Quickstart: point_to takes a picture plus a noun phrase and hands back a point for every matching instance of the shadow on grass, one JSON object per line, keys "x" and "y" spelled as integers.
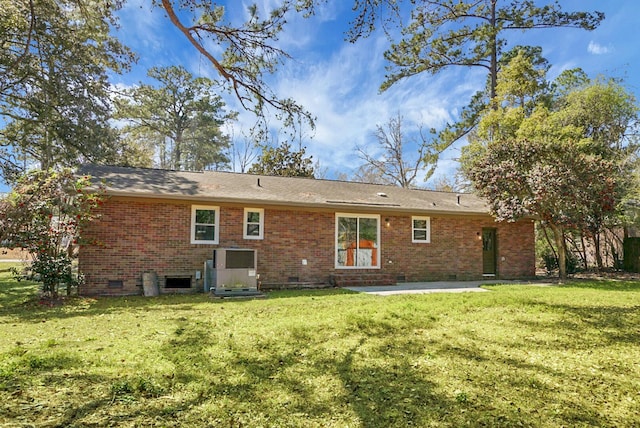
{"x": 13, "y": 297}
{"x": 284, "y": 372}
{"x": 603, "y": 284}
{"x": 281, "y": 375}
{"x": 14, "y": 293}
{"x": 526, "y": 395}
{"x": 18, "y": 366}
{"x": 33, "y": 410}
{"x": 21, "y": 300}
{"x": 611, "y": 321}
{"x": 320, "y": 292}
{"x": 380, "y": 371}
{"x": 613, "y": 324}
{"x": 391, "y": 396}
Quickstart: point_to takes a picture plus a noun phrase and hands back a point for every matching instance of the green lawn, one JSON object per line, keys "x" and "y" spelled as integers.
{"x": 517, "y": 356}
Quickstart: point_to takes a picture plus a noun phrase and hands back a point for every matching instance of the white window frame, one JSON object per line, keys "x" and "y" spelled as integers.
{"x": 246, "y": 223}
{"x": 413, "y": 229}
{"x": 216, "y": 230}
{"x": 335, "y": 242}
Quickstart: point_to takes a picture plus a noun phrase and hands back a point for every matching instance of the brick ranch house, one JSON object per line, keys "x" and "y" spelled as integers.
{"x": 306, "y": 232}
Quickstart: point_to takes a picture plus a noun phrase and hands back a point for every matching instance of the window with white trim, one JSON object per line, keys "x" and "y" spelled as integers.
{"x": 357, "y": 241}
{"x": 253, "y": 223}
{"x": 420, "y": 229}
{"x": 204, "y": 224}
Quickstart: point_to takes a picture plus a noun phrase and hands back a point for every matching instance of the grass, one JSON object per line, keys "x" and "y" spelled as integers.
{"x": 518, "y": 356}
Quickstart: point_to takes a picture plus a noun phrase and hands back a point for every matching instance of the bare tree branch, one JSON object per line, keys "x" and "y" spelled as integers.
{"x": 393, "y": 166}
{"x": 250, "y": 53}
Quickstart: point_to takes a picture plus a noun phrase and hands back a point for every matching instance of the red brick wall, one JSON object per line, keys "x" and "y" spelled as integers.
{"x": 138, "y": 236}
{"x": 455, "y": 250}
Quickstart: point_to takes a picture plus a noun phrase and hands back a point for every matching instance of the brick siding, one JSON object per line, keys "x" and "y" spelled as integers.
{"x": 455, "y": 250}
{"x": 137, "y": 236}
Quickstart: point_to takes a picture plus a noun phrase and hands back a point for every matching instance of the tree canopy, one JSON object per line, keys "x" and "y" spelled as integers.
{"x": 445, "y": 33}
{"x": 441, "y": 34}
{"x": 44, "y": 215}
{"x": 180, "y": 117}
{"x": 283, "y": 161}
{"x": 565, "y": 160}
{"x": 59, "y": 53}
{"x": 54, "y": 89}
{"x": 244, "y": 54}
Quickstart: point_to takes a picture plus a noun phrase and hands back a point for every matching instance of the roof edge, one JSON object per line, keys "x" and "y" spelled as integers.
{"x": 333, "y": 206}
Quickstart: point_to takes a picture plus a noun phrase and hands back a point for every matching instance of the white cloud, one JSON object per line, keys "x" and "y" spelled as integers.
{"x": 339, "y": 83}
{"x": 343, "y": 92}
{"x": 139, "y": 24}
{"x": 598, "y": 49}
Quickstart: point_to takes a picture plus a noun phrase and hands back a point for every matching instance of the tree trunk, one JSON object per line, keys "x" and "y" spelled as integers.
{"x": 583, "y": 252}
{"x": 596, "y": 246}
{"x": 546, "y": 237}
{"x": 562, "y": 250}
{"x": 162, "y": 147}
{"x": 572, "y": 244}
{"x": 177, "y": 151}
{"x": 494, "y": 52}
{"x": 177, "y": 155}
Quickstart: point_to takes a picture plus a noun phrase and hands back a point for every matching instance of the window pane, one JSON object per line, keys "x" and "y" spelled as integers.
{"x": 205, "y": 233}
{"x": 253, "y": 230}
{"x": 347, "y": 230}
{"x": 369, "y": 230}
{"x": 419, "y": 235}
{"x": 419, "y": 224}
{"x": 206, "y": 216}
{"x": 347, "y": 235}
{"x": 368, "y": 243}
{"x": 357, "y": 241}
{"x": 253, "y": 217}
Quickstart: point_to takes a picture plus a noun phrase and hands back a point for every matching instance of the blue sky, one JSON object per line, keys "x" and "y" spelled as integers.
{"x": 339, "y": 82}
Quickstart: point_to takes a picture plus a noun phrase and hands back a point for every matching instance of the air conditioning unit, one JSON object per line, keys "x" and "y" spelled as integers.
{"x": 233, "y": 272}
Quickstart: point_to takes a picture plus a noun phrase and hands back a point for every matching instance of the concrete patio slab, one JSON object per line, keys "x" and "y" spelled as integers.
{"x": 429, "y": 287}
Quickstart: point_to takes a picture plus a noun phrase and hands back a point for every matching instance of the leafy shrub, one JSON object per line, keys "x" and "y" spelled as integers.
{"x": 551, "y": 262}
{"x": 44, "y": 215}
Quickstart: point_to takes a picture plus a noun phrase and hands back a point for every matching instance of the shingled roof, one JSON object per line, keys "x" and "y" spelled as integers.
{"x": 258, "y": 190}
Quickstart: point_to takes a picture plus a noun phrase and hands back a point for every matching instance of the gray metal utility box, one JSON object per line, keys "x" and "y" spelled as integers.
{"x": 233, "y": 272}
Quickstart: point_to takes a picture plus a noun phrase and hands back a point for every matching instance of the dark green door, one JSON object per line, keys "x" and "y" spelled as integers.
{"x": 489, "y": 251}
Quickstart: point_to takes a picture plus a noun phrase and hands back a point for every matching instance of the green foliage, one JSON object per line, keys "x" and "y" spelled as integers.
{"x": 450, "y": 33}
{"x": 44, "y": 214}
{"x": 549, "y": 259}
{"x": 445, "y": 33}
{"x": 562, "y": 156}
{"x": 530, "y": 62}
{"x": 283, "y": 162}
{"x": 54, "y": 95}
{"x": 553, "y": 181}
{"x": 551, "y": 262}
{"x": 243, "y": 55}
{"x": 129, "y": 390}
{"x": 180, "y": 118}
